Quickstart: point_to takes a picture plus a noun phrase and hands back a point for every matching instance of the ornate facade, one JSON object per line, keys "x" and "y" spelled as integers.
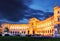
{"x": 35, "y": 26}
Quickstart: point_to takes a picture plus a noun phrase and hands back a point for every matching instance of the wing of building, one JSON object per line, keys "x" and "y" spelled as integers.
{"x": 35, "y": 26}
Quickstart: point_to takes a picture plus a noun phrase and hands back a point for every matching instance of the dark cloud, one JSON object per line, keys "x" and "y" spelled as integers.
{"x": 12, "y": 9}
{"x": 41, "y": 15}
{"x": 16, "y": 10}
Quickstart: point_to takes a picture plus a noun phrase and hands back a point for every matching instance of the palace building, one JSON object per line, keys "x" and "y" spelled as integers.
{"x": 47, "y": 27}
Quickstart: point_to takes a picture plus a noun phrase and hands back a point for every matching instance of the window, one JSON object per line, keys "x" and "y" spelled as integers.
{"x": 58, "y": 25}
{"x": 24, "y": 32}
{"x": 10, "y": 31}
{"x": 58, "y": 12}
{"x": 58, "y": 18}
{"x": 28, "y": 31}
{"x": 34, "y": 32}
{"x": 13, "y": 32}
{"x": 50, "y": 31}
{"x": 58, "y": 30}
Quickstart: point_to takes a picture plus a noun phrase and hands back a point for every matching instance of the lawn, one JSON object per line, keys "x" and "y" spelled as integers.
{"x": 18, "y": 38}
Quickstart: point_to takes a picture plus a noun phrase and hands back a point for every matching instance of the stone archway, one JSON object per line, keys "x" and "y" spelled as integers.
{"x": 6, "y": 29}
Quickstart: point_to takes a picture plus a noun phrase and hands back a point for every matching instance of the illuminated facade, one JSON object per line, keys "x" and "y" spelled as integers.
{"x": 44, "y": 28}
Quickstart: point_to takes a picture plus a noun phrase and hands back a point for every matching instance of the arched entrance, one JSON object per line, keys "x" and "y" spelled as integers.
{"x": 33, "y": 32}
{"x": 28, "y": 32}
{"x": 5, "y": 32}
{"x": 6, "y": 29}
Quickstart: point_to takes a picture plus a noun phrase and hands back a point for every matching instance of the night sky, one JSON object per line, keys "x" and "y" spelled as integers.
{"x": 20, "y": 11}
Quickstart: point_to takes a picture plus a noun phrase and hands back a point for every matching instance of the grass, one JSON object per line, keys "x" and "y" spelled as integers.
{"x": 18, "y": 38}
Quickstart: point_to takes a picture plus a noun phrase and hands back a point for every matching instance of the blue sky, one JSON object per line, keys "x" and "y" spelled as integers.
{"x": 44, "y": 5}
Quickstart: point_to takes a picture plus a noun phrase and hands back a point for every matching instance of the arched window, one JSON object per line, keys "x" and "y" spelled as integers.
{"x": 58, "y": 25}
{"x": 48, "y": 31}
{"x": 58, "y": 30}
{"x": 33, "y": 32}
{"x": 28, "y": 31}
{"x": 24, "y": 32}
{"x": 58, "y": 18}
{"x": 11, "y": 32}
{"x": 58, "y": 12}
